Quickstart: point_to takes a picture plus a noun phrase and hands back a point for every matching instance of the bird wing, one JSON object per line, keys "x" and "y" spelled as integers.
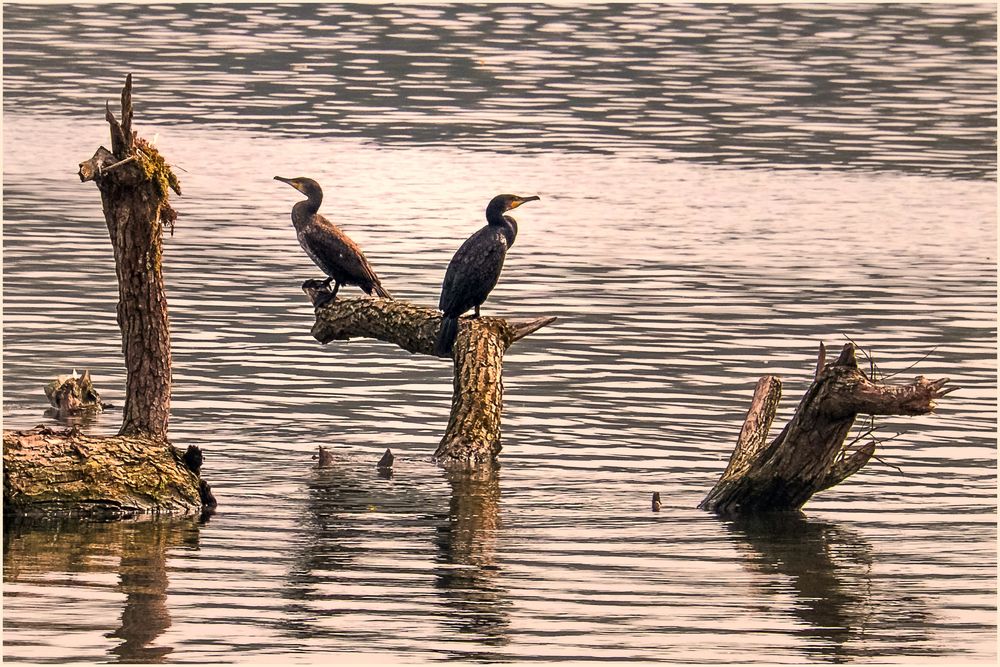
{"x": 335, "y": 253}
{"x": 473, "y": 271}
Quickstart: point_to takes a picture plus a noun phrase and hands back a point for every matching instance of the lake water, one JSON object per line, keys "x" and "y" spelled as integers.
{"x": 722, "y": 188}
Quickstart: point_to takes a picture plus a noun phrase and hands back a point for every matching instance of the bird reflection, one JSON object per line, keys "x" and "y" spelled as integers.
{"x": 39, "y": 547}
{"x": 469, "y": 575}
{"x": 830, "y": 570}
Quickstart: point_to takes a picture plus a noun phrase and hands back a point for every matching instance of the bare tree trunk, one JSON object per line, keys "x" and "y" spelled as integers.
{"x": 809, "y": 455}
{"x": 138, "y": 470}
{"x": 134, "y": 180}
{"x": 473, "y": 433}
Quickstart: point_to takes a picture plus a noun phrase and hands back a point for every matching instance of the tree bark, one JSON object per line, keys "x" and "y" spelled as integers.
{"x": 809, "y": 454}
{"x": 66, "y": 472}
{"x": 137, "y": 471}
{"x": 134, "y": 183}
{"x": 473, "y": 433}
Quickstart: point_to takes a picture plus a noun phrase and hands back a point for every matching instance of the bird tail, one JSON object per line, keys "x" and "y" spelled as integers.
{"x": 381, "y": 291}
{"x": 446, "y": 336}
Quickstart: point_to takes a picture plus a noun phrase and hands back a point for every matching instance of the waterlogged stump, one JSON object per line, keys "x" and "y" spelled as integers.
{"x": 137, "y": 470}
{"x": 473, "y": 433}
{"x": 809, "y": 455}
{"x": 135, "y": 183}
{"x": 67, "y": 472}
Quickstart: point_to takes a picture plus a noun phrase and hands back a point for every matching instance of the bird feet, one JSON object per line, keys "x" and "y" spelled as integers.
{"x": 319, "y": 291}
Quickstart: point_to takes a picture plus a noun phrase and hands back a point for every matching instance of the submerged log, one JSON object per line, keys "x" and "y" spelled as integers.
{"x": 67, "y": 472}
{"x": 136, "y": 471}
{"x": 473, "y": 433}
{"x": 809, "y": 455}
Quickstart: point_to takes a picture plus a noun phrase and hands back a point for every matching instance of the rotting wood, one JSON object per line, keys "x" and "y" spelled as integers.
{"x": 138, "y": 470}
{"x": 809, "y": 455}
{"x": 73, "y": 394}
{"x": 472, "y": 436}
{"x": 66, "y": 472}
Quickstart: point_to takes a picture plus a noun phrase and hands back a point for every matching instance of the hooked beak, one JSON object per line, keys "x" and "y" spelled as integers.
{"x": 521, "y": 200}
{"x": 290, "y": 181}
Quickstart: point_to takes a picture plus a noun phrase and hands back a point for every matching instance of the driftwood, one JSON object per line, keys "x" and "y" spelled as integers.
{"x": 136, "y": 471}
{"x": 809, "y": 454}
{"x": 473, "y": 433}
{"x": 71, "y": 395}
{"x": 67, "y": 472}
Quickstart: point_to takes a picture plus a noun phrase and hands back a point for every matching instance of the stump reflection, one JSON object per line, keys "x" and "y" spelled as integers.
{"x": 469, "y": 575}
{"x": 844, "y": 606}
{"x": 40, "y": 547}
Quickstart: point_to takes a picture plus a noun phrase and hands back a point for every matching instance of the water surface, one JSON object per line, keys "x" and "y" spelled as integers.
{"x": 722, "y": 188}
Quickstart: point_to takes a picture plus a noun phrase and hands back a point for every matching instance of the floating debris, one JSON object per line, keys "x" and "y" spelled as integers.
{"x": 386, "y": 461}
{"x": 656, "y": 501}
{"x": 73, "y": 395}
{"x": 325, "y": 457}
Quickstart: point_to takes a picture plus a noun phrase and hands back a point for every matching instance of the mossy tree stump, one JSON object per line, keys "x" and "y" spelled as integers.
{"x": 472, "y": 436}
{"x": 138, "y": 470}
{"x": 809, "y": 455}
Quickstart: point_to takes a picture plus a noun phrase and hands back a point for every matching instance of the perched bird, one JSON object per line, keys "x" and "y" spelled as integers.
{"x": 475, "y": 268}
{"x": 330, "y": 249}
{"x": 656, "y": 501}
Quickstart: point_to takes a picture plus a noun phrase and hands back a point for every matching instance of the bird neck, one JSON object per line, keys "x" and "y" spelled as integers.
{"x": 495, "y": 218}
{"x": 509, "y": 229}
{"x": 495, "y": 215}
{"x": 306, "y": 209}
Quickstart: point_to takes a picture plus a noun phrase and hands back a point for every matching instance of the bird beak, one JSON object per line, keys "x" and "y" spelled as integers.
{"x": 290, "y": 181}
{"x": 522, "y": 200}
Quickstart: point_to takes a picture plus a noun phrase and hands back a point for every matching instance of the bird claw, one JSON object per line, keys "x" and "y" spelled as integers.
{"x": 323, "y": 298}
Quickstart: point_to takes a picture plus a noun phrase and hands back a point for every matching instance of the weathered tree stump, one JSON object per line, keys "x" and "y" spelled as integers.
{"x": 137, "y": 471}
{"x": 66, "y": 472}
{"x": 809, "y": 455}
{"x": 473, "y": 433}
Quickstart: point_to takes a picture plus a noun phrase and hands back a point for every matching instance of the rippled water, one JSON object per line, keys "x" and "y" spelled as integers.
{"x": 722, "y": 188}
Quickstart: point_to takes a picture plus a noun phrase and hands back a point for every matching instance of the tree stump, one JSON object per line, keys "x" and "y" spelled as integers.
{"x": 473, "y": 433}
{"x": 809, "y": 454}
{"x": 66, "y": 472}
{"x": 138, "y": 470}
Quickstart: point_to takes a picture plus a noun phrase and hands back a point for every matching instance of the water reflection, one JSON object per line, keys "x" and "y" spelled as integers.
{"x": 829, "y": 568}
{"x": 354, "y": 570}
{"x": 469, "y": 576}
{"x": 44, "y": 549}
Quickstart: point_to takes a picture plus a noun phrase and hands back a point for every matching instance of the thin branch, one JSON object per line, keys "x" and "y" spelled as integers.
{"x": 885, "y": 377}
{"x": 886, "y": 463}
{"x": 104, "y": 170}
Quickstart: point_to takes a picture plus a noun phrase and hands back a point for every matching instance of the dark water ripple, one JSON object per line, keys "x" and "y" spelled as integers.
{"x": 870, "y": 87}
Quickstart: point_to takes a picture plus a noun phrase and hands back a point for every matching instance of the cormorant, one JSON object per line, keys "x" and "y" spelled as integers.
{"x": 330, "y": 249}
{"x": 475, "y": 268}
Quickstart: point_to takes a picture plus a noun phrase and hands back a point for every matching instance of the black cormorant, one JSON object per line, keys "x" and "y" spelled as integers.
{"x": 338, "y": 256}
{"x": 475, "y": 268}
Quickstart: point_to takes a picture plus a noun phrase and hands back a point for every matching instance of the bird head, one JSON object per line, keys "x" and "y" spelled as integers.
{"x": 503, "y": 203}
{"x": 306, "y": 186}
